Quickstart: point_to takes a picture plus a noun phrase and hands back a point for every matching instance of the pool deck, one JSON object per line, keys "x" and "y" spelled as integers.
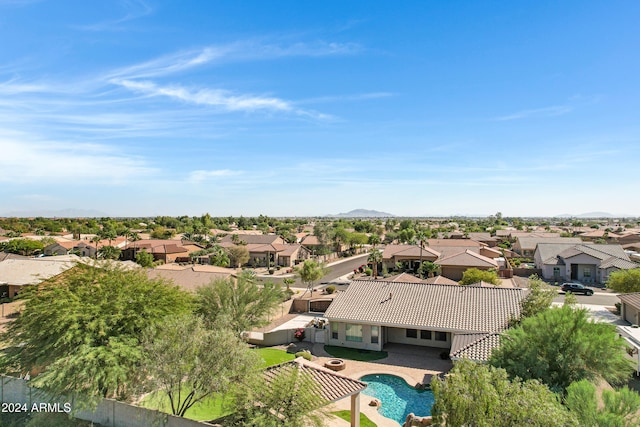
{"x": 416, "y": 365}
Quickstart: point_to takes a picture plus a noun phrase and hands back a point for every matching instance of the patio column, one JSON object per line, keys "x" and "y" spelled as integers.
{"x": 355, "y": 410}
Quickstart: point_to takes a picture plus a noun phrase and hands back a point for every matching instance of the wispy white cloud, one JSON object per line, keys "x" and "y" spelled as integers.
{"x": 556, "y": 110}
{"x": 216, "y": 98}
{"x": 26, "y": 158}
{"x": 133, "y": 9}
{"x": 169, "y": 64}
{"x": 213, "y": 97}
{"x": 247, "y": 50}
{"x": 202, "y": 175}
{"x": 346, "y": 98}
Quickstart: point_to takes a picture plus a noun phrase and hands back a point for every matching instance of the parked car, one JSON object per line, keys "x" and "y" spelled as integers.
{"x": 576, "y": 288}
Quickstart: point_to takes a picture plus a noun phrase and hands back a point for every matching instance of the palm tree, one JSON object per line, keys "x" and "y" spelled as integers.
{"x": 96, "y": 239}
{"x": 428, "y": 269}
{"x": 422, "y": 235}
{"x": 375, "y": 257}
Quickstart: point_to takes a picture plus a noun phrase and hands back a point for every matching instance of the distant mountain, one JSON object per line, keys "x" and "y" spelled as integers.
{"x": 62, "y": 213}
{"x": 593, "y": 215}
{"x": 364, "y": 213}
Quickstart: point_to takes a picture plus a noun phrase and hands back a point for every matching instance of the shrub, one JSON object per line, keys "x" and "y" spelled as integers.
{"x": 299, "y": 334}
{"x": 305, "y": 354}
{"x": 330, "y": 289}
{"x": 287, "y": 294}
{"x": 368, "y": 271}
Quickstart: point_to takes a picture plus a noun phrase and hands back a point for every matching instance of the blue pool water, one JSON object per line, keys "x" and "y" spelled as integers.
{"x": 397, "y": 397}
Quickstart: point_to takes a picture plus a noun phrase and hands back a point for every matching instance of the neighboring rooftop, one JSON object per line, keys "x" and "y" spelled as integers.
{"x": 476, "y": 347}
{"x": 333, "y": 386}
{"x": 443, "y": 307}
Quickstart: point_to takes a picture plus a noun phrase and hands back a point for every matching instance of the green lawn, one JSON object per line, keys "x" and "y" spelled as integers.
{"x": 364, "y": 420}
{"x": 214, "y": 407}
{"x": 354, "y": 354}
{"x": 208, "y": 409}
{"x": 273, "y": 356}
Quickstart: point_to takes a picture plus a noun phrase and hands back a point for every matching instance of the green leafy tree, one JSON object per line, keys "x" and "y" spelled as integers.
{"x": 538, "y": 299}
{"x": 309, "y": 272}
{"x": 187, "y": 362}
{"x": 109, "y": 252}
{"x": 620, "y": 407}
{"x": 625, "y": 281}
{"x": 26, "y": 247}
{"x": 483, "y": 396}
{"x": 291, "y": 399}
{"x": 240, "y": 304}
{"x": 145, "y": 259}
{"x": 562, "y": 345}
{"x": 238, "y": 255}
{"x": 428, "y": 269}
{"x": 82, "y": 330}
{"x": 474, "y": 275}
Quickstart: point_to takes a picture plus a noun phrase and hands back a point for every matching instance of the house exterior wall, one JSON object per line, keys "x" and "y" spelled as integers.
{"x": 399, "y": 336}
{"x": 385, "y": 334}
{"x": 630, "y": 313}
{"x": 588, "y": 270}
{"x": 342, "y": 341}
{"x": 549, "y": 272}
{"x": 455, "y": 272}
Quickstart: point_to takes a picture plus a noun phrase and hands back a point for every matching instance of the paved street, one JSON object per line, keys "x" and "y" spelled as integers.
{"x": 335, "y": 270}
{"x": 600, "y": 297}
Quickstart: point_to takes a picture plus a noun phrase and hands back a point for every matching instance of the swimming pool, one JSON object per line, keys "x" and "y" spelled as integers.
{"x": 398, "y": 398}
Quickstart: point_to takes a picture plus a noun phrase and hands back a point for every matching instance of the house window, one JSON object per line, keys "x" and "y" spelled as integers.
{"x": 375, "y": 334}
{"x": 354, "y": 332}
{"x": 587, "y": 272}
{"x": 425, "y": 335}
{"x": 556, "y": 271}
{"x": 334, "y": 331}
{"x": 441, "y": 336}
{"x": 412, "y": 333}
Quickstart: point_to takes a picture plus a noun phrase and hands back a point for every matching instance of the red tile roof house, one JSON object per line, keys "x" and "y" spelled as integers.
{"x": 370, "y": 314}
{"x": 454, "y": 266}
{"x": 407, "y": 255}
{"x": 269, "y": 246}
{"x": 167, "y": 251}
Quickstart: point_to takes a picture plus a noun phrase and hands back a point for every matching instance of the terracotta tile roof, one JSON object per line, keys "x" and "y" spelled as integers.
{"x": 440, "y": 280}
{"x": 467, "y": 259}
{"x": 476, "y": 347}
{"x": 408, "y": 251}
{"x": 259, "y": 248}
{"x": 253, "y": 239}
{"x": 402, "y": 277}
{"x": 437, "y": 307}
{"x": 287, "y": 250}
{"x": 311, "y": 241}
{"x": 461, "y": 243}
{"x": 188, "y": 278}
{"x": 333, "y": 386}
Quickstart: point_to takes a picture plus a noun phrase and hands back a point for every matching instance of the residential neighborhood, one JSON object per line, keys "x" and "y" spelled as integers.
{"x": 319, "y": 213}
{"x": 419, "y": 304}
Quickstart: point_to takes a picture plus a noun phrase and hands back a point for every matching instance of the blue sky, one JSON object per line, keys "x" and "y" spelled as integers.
{"x": 290, "y": 108}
